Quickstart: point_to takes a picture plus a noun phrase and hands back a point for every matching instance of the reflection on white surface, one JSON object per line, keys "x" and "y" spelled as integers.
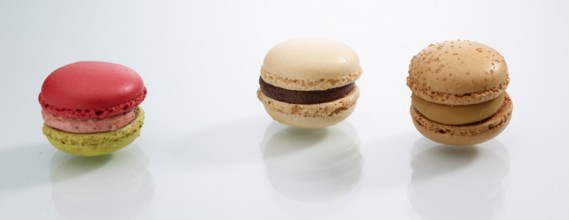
{"x": 116, "y": 186}
{"x": 458, "y": 183}
{"x": 219, "y": 146}
{"x": 312, "y": 165}
{"x": 30, "y": 160}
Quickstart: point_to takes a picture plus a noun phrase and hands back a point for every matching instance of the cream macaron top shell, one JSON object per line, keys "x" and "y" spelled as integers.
{"x": 309, "y": 64}
{"x": 458, "y": 73}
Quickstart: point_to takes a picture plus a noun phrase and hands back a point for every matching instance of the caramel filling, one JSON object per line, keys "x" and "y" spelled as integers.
{"x": 457, "y": 114}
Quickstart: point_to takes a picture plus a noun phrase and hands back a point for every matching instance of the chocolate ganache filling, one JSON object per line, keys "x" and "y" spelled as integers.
{"x": 304, "y": 97}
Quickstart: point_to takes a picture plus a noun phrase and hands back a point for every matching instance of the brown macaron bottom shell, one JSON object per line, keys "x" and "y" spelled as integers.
{"x": 464, "y": 135}
{"x": 311, "y": 115}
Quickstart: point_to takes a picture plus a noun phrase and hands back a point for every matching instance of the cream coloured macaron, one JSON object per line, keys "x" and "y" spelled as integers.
{"x": 459, "y": 92}
{"x": 309, "y": 82}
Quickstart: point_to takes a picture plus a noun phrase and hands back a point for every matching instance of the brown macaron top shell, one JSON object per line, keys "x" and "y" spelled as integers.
{"x": 458, "y": 73}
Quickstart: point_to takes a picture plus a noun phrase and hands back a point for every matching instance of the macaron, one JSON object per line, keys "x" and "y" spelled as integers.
{"x": 459, "y": 92}
{"x": 309, "y": 83}
{"x": 91, "y": 108}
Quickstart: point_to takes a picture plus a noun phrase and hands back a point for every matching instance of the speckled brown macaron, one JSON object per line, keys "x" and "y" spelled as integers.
{"x": 459, "y": 92}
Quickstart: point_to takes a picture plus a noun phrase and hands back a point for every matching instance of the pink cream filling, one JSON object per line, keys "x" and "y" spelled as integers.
{"x": 88, "y": 125}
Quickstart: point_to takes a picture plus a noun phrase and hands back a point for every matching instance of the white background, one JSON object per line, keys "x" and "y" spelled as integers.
{"x": 208, "y": 150}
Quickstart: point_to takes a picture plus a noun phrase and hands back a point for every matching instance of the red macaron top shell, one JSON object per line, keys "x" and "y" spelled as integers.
{"x": 91, "y": 89}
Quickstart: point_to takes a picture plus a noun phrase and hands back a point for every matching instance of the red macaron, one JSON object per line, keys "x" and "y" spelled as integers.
{"x": 91, "y": 107}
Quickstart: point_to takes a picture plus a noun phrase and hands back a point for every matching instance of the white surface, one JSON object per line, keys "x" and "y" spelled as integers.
{"x": 209, "y": 151}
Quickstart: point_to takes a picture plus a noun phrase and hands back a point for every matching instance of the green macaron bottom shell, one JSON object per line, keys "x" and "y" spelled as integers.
{"x": 95, "y": 144}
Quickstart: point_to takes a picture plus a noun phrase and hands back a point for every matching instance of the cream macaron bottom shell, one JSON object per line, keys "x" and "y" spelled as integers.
{"x": 457, "y": 114}
{"x": 463, "y": 135}
{"x": 311, "y": 115}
